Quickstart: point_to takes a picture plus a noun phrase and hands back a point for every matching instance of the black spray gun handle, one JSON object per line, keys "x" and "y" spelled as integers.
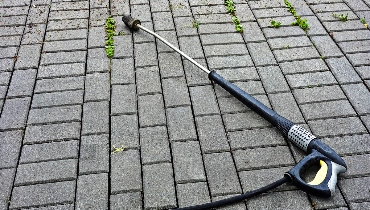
{"x": 331, "y": 163}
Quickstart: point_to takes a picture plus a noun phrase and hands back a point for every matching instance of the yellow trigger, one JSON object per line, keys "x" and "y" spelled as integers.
{"x": 321, "y": 174}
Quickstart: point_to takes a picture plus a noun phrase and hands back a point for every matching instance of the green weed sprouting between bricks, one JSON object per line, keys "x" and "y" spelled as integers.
{"x": 275, "y": 24}
{"x": 341, "y": 17}
{"x": 301, "y": 22}
{"x": 195, "y": 24}
{"x": 110, "y": 28}
{"x": 230, "y": 8}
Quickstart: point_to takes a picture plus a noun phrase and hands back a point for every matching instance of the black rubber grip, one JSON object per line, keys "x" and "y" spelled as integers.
{"x": 280, "y": 122}
{"x": 131, "y": 22}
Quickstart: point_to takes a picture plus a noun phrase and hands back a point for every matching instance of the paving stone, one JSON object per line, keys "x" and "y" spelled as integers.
{"x": 171, "y": 37}
{"x": 280, "y": 200}
{"x": 55, "y": 114}
{"x": 323, "y": 203}
{"x": 191, "y": 46}
{"x": 175, "y": 92}
{"x": 245, "y": 120}
{"x": 354, "y": 46}
{"x": 311, "y": 79}
{"x": 342, "y": 126}
{"x": 14, "y": 20}
{"x": 366, "y": 120}
{"x": 10, "y": 148}
{"x": 150, "y": 106}
{"x": 204, "y": 2}
{"x": 94, "y": 154}
{"x": 343, "y": 26}
{"x": 282, "y": 32}
{"x": 159, "y": 192}
{"x": 351, "y": 35}
{"x": 126, "y": 172}
{"x": 5, "y": 78}
{"x": 358, "y": 206}
{"x": 225, "y": 49}
{"x": 97, "y": 87}
{"x": 38, "y": 14}
{"x": 187, "y": 160}
{"x": 193, "y": 74}
{"x": 357, "y": 162}
{"x": 7, "y": 64}
{"x": 347, "y": 145}
{"x": 124, "y": 131}
{"x": 61, "y": 15}
{"x": 99, "y": 4}
{"x": 255, "y": 138}
{"x": 203, "y": 100}
{"x": 13, "y": 11}
{"x": 329, "y": 7}
{"x": 128, "y": 200}
{"x": 354, "y": 189}
{"x": 252, "y": 32}
{"x": 328, "y": 16}
{"x": 7, "y": 177}
{"x": 11, "y": 30}
{"x": 162, "y": 21}
{"x": 359, "y": 59}
{"x": 59, "y": 84}
{"x": 318, "y": 94}
{"x": 303, "y": 66}
{"x": 122, "y": 71}
{"x": 8, "y": 52}
{"x": 281, "y": 43}
{"x": 271, "y": 12}
{"x": 70, "y": 5}
{"x": 343, "y": 70}
{"x": 49, "y": 151}
{"x": 47, "y": 133}
{"x": 284, "y": 21}
{"x": 51, "y": 171}
{"x": 180, "y": 8}
{"x": 124, "y": 46}
{"x": 8, "y": 41}
{"x": 316, "y": 27}
{"x": 66, "y": 35}
{"x": 28, "y": 56}
{"x": 255, "y": 179}
{"x": 233, "y": 105}
{"x": 211, "y": 133}
{"x": 212, "y": 18}
{"x": 95, "y": 117}
{"x": 57, "y": 99}
{"x": 14, "y": 113}
{"x": 101, "y": 65}
{"x": 145, "y": 55}
{"x": 272, "y": 78}
{"x": 326, "y": 46}
{"x": 296, "y": 54}
{"x": 68, "y": 24}
{"x": 359, "y": 97}
{"x": 170, "y": 65}
{"x": 61, "y": 70}
{"x": 63, "y": 57}
{"x": 154, "y": 145}
{"x": 180, "y": 124}
{"x": 22, "y": 83}
{"x": 98, "y": 15}
{"x": 330, "y": 109}
{"x": 148, "y": 80}
{"x": 233, "y": 61}
{"x": 97, "y": 38}
{"x": 263, "y": 4}
{"x": 246, "y": 159}
{"x": 191, "y": 194}
{"x": 221, "y": 174}
{"x": 208, "y": 28}
{"x": 3, "y": 90}
{"x": 208, "y": 9}
{"x": 123, "y": 99}
{"x": 239, "y": 74}
{"x": 211, "y": 39}
{"x": 43, "y": 194}
{"x": 141, "y": 12}
{"x": 92, "y": 191}
{"x": 70, "y": 45}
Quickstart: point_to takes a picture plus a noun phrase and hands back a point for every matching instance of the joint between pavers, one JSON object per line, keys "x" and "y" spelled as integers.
{"x": 45, "y": 205}
{"x": 45, "y": 181}
{"x": 48, "y": 160}
{"x": 93, "y": 172}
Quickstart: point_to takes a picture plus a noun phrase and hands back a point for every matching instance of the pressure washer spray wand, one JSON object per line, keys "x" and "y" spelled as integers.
{"x": 331, "y": 163}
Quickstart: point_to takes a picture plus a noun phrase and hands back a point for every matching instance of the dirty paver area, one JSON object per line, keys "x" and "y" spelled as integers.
{"x": 146, "y": 129}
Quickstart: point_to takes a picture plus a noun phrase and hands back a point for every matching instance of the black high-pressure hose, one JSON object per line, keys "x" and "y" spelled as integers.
{"x": 239, "y": 198}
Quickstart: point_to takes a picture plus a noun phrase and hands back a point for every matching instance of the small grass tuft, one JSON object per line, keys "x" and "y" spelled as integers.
{"x": 231, "y": 9}
{"x": 341, "y": 17}
{"x": 195, "y": 24}
{"x": 301, "y": 22}
{"x": 275, "y": 24}
{"x": 117, "y": 149}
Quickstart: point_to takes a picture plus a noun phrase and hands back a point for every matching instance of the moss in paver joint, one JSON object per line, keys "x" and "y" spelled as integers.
{"x": 195, "y": 24}
{"x": 230, "y": 8}
{"x": 109, "y": 30}
{"x": 341, "y": 17}
{"x": 275, "y": 24}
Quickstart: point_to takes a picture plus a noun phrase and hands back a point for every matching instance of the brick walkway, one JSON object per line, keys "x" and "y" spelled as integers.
{"x": 65, "y": 106}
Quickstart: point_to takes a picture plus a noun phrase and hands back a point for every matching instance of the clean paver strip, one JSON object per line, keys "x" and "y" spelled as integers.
{"x": 64, "y": 105}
